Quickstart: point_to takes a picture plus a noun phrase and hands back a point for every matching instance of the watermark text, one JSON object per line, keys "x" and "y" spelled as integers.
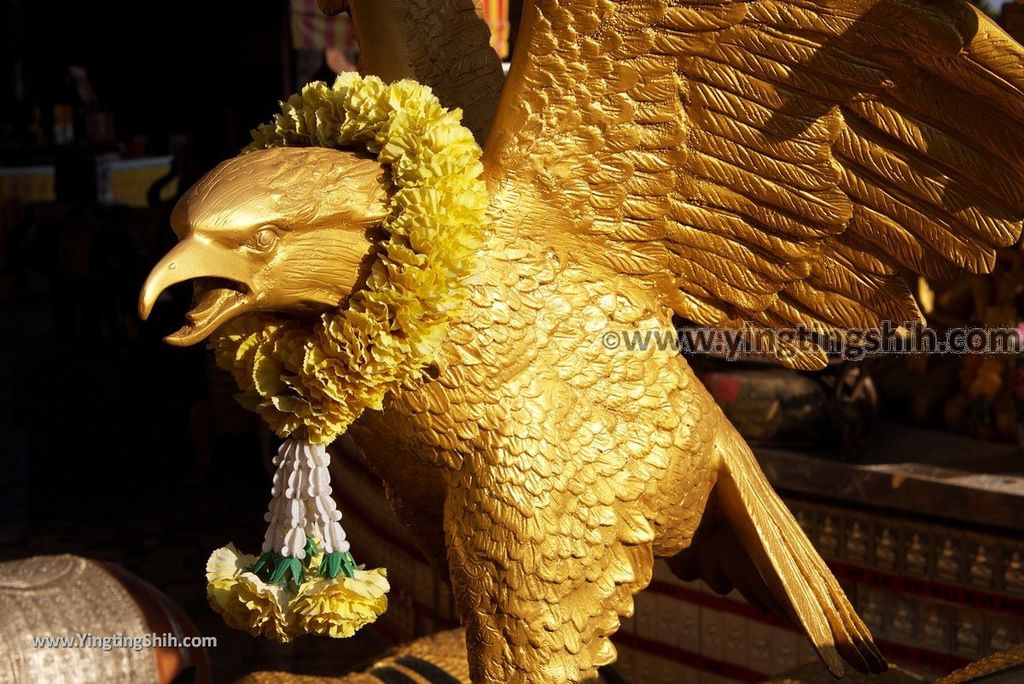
{"x": 850, "y": 344}
{"x": 109, "y": 642}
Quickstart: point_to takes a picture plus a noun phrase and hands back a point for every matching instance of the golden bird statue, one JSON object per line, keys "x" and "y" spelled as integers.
{"x": 743, "y": 164}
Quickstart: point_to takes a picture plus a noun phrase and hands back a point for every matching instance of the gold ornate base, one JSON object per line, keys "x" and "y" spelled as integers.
{"x": 439, "y": 658}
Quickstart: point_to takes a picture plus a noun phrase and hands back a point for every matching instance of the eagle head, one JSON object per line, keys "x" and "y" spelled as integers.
{"x": 287, "y": 229}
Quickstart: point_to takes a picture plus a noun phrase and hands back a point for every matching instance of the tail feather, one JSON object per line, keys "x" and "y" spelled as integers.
{"x": 787, "y": 566}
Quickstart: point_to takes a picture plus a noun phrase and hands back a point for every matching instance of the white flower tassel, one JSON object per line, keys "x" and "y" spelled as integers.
{"x": 306, "y": 581}
{"x": 301, "y": 505}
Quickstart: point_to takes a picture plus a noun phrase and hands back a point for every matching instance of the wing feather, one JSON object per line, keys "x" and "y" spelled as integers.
{"x": 770, "y": 161}
{"x": 444, "y": 44}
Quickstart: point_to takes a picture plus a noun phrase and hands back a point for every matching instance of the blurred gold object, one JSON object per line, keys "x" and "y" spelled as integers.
{"x": 496, "y": 14}
{"x": 767, "y": 162}
{"x": 984, "y": 403}
{"x": 1004, "y": 667}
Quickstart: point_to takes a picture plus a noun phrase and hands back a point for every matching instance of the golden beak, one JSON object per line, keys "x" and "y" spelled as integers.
{"x": 223, "y": 287}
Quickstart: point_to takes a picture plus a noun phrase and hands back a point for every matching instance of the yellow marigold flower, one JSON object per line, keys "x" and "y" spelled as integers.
{"x": 321, "y": 375}
{"x": 335, "y": 607}
{"x": 340, "y": 606}
{"x": 244, "y": 600}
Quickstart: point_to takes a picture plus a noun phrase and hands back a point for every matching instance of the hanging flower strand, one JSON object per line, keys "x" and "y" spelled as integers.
{"x": 306, "y": 581}
{"x": 315, "y": 377}
{"x": 301, "y": 512}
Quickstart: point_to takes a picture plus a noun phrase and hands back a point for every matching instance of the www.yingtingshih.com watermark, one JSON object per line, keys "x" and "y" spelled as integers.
{"x": 135, "y": 642}
{"x": 851, "y": 344}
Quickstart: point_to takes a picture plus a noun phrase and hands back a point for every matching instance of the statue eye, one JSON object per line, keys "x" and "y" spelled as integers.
{"x": 263, "y": 239}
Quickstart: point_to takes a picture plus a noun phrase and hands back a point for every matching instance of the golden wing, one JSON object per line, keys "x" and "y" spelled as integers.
{"x": 771, "y": 161}
{"x": 444, "y": 44}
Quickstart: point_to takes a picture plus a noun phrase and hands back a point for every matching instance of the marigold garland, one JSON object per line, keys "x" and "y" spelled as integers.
{"x": 322, "y": 375}
{"x": 335, "y": 607}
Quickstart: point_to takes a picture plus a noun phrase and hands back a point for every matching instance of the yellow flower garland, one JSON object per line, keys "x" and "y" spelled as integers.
{"x": 244, "y": 600}
{"x": 335, "y": 607}
{"x": 322, "y": 375}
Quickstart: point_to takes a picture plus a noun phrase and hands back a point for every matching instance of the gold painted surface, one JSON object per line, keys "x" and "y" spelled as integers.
{"x": 764, "y": 161}
{"x": 292, "y": 250}
{"x": 444, "y": 650}
{"x": 999, "y": 668}
{"x": 68, "y": 596}
{"x": 772, "y": 161}
{"x": 444, "y": 44}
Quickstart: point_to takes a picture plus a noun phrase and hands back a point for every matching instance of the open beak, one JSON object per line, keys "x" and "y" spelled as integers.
{"x": 223, "y": 287}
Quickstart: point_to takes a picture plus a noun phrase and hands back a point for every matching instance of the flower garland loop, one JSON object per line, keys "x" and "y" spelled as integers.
{"x": 321, "y": 375}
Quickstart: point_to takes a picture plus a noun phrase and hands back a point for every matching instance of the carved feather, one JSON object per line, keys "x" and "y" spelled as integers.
{"x": 786, "y": 129}
{"x": 444, "y": 44}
